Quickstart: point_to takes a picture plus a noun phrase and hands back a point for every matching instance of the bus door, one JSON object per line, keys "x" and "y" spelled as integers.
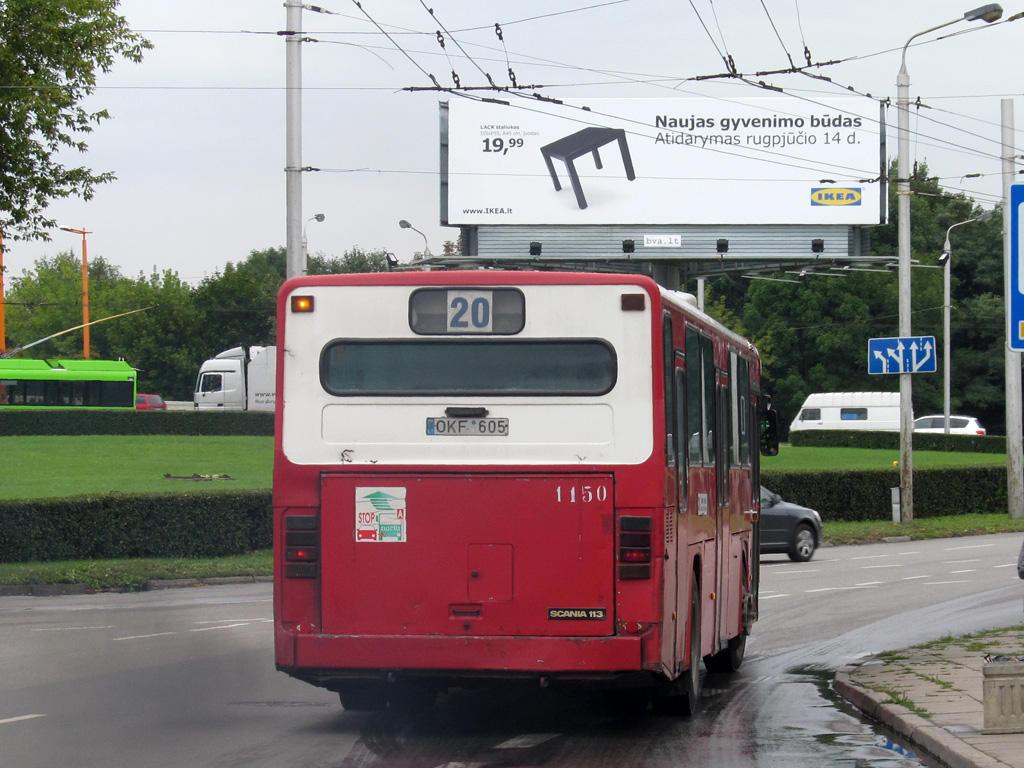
{"x": 682, "y": 569}
{"x": 701, "y": 483}
{"x": 722, "y": 527}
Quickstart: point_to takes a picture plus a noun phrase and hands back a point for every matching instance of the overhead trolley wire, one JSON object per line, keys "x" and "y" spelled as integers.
{"x": 777, "y": 35}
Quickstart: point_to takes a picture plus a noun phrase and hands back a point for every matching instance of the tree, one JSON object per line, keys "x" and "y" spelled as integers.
{"x": 356, "y": 260}
{"x": 48, "y": 299}
{"x": 238, "y": 306}
{"x": 50, "y": 54}
{"x": 159, "y": 342}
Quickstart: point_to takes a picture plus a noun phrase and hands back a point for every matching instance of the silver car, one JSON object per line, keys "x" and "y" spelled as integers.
{"x": 958, "y": 425}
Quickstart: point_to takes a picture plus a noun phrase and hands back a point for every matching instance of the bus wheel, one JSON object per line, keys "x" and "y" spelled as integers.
{"x": 682, "y": 695}
{"x": 690, "y": 700}
{"x": 363, "y": 695}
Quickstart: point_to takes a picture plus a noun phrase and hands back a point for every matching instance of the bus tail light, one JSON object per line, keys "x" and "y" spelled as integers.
{"x": 301, "y": 546}
{"x": 634, "y": 550}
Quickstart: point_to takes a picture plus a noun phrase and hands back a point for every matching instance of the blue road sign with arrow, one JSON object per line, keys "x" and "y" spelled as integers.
{"x": 902, "y": 354}
{"x": 1015, "y": 290}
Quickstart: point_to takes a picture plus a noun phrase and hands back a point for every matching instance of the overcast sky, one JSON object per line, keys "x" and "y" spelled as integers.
{"x": 197, "y": 135}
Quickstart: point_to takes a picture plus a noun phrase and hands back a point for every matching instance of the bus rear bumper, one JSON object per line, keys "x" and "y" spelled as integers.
{"x": 325, "y": 657}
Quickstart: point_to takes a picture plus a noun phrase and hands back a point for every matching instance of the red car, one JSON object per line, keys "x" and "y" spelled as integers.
{"x": 150, "y": 403}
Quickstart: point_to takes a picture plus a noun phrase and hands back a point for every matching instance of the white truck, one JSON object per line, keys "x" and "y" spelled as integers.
{"x": 878, "y": 411}
{"x": 229, "y": 382}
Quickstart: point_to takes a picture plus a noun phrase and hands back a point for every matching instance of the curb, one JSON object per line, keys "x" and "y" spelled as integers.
{"x": 932, "y": 740}
{"x": 59, "y": 590}
{"x": 43, "y": 590}
{"x": 154, "y": 584}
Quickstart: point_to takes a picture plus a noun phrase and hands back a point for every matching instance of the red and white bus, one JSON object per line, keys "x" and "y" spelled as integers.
{"x": 484, "y": 475}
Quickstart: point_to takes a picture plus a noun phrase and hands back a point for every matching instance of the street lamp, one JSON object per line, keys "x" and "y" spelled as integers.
{"x": 426, "y": 248}
{"x": 988, "y": 14}
{"x": 85, "y": 289}
{"x": 305, "y": 243}
{"x": 946, "y": 261}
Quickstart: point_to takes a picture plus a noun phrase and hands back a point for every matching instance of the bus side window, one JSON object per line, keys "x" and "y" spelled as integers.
{"x": 707, "y": 364}
{"x": 681, "y": 408}
{"x": 668, "y": 358}
{"x": 694, "y": 426}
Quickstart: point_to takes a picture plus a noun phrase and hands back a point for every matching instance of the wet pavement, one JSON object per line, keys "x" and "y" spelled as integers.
{"x": 932, "y": 696}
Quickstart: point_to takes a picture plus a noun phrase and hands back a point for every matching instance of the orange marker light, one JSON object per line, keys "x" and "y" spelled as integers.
{"x": 302, "y": 303}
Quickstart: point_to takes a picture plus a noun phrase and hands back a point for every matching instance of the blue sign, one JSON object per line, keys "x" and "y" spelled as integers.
{"x": 1015, "y": 290}
{"x": 902, "y": 354}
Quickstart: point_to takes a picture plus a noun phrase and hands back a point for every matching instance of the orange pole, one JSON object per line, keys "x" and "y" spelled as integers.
{"x": 3, "y": 300}
{"x": 85, "y": 289}
{"x": 85, "y": 298}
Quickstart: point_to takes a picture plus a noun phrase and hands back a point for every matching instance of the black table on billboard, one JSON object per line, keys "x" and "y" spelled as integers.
{"x": 589, "y": 140}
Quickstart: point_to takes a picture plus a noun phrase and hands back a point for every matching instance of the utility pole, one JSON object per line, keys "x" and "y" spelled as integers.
{"x": 903, "y": 276}
{"x": 295, "y": 262}
{"x": 1014, "y": 442}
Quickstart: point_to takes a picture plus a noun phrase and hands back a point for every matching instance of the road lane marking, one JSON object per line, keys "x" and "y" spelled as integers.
{"x": 911, "y": 578}
{"x": 916, "y": 552}
{"x": 769, "y": 597}
{"x": 831, "y": 589}
{"x": 868, "y": 583}
{"x": 800, "y": 571}
{"x": 888, "y": 565}
{"x": 143, "y": 637}
{"x": 959, "y": 562}
{"x": 70, "y": 629}
{"x": 223, "y": 626}
{"x": 940, "y": 583}
{"x": 526, "y": 741}
{"x": 1005, "y": 565}
{"x": 869, "y": 557}
{"x": 965, "y": 570}
{"x": 20, "y": 717}
{"x": 222, "y": 621}
{"x": 969, "y": 546}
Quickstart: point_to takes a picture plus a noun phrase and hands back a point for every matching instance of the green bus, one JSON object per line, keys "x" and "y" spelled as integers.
{"x": 66, "y": 384}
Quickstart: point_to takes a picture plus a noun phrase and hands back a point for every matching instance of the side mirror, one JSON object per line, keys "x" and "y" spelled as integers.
{"x": 769, "y": 432}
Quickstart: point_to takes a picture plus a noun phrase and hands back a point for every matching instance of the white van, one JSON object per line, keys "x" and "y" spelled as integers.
{"x": 879, "y": 411}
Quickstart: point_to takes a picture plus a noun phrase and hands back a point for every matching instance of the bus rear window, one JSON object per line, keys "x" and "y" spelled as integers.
{"x": 442, "y": 367}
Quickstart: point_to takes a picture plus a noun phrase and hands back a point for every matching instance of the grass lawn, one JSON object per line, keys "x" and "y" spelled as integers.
{"x": 806, "y": 458}
{"x": 132, "y": 574}
{"x": 36, "y": 467}
{"x": 866, "y": 532}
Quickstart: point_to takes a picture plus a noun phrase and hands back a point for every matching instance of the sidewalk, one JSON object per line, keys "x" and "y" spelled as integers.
{"x": 932, "y": 697}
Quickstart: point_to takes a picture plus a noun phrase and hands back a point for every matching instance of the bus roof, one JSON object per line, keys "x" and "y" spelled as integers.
{"x": 53, "y": 369}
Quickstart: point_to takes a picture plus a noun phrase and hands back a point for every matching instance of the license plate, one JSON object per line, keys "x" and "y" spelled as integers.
{"x": 467, "y": 427}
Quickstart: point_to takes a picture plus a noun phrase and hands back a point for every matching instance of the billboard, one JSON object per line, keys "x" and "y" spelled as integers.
{"x": 778, "y": 160}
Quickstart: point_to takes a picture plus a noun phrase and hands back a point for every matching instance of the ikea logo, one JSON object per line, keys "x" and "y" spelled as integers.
{"x": 835, "y": 196}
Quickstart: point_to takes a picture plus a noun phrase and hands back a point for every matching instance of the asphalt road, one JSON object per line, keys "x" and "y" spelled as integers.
{"x": 186, "y": 678}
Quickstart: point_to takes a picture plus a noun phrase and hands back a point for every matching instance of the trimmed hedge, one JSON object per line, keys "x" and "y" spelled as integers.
{"x": 843, "y": 494}
{"x": 201, "y": 524}
{"x": 131, "y": 422}
{"x": 923, "y": 441}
